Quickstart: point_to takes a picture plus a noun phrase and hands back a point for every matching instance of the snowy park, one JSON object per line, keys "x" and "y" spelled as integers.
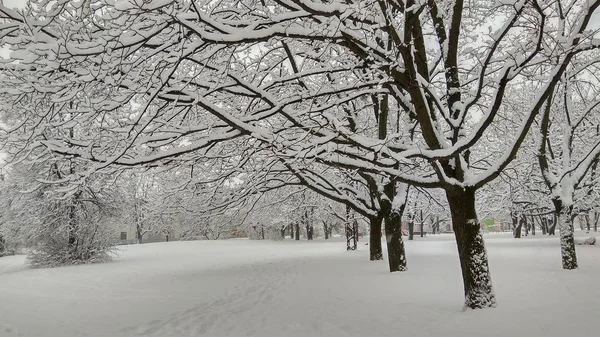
{"x": 174, "y": 168}
{"x": 264, "y": 288}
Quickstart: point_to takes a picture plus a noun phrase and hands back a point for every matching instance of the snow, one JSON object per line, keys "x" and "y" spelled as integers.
{"x": 264, "y": 288}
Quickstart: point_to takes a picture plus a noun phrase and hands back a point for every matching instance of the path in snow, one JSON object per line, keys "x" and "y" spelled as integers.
{"x": 260, "y": 288}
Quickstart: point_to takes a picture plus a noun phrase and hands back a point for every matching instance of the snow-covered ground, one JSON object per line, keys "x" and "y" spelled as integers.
{"x": 261, "y": 288}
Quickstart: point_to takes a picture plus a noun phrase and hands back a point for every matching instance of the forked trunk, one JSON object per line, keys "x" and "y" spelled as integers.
{"x": 544, "y": 225}
{"x": 375, "y": 249}
{"x": 564, "y": 221}
{"x": 477, "y": 281}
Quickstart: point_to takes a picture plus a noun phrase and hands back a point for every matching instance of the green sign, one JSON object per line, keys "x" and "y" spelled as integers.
{"x": 490, "y": 223}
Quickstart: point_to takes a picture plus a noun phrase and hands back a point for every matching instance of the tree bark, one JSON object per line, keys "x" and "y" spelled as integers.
{"x": 326, "y": 230}
{"x": 588, "y": 225}
{"x": 477, "y": 281}
{"x": 375, "y": 249}
{"x": 393, "y": 229}
{"x": 411, "y": 228}
{"x": 297, "y": 232}
{"x": 139, "y": 235}
{"x": 292, "y": 231}
{"x": 552, "y": 226}
{"x": 544, "y": 225}
{"x": 395, "y": 244}
{"x": 564, "y": 218}
{"x": 517, "y": 226}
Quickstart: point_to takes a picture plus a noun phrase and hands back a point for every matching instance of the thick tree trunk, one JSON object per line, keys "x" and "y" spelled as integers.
{"x": 297, "y": 232}
{"x": 411, "y": 229}
{"x": 326, "y": 230}
{"x": 532, "y": 226}
{"x": 375, "y": 249}
{"x": 139, "y": 235}
{"x": 393, "y": 227}
{"x": 477, "y": 281}
{"x": 567, "y": 239}
{"x": 395, "y": 244}
{"x": 517, "y": 226}
{"x": 544, "y": 225}
{"x": 283, "y": 232}
{"x": 588, "y": 224}
{"x": 552, "y": 226}
{"x": 309, "y": 232}
{"x": 292, "y": 231}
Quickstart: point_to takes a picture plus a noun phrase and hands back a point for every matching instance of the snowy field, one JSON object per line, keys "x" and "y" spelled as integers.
{"x": 261, "y": 288}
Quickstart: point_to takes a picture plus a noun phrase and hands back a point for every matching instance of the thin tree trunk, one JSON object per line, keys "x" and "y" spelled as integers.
{"x": 375, "y": 249}
{"x": 477, "y": 281}
{"x": 532, "y": 226}
{"x": 567, "y": 240}
{"x": 297, "y": 232}
{"x": 422, "y": 223}
{"x": 326, "y": 230}
{"x": 411, "y": 229}
{"x": 292, "y": 231}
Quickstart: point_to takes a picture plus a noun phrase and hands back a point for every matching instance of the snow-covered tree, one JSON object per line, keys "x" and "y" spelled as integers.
{"x": 162, "y": 82}
{"x": 570, "y": 145}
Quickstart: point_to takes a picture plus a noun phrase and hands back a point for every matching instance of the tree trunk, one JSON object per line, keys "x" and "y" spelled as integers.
{"x": 139, "y": 235}
{"x": 544, "y": 225}
{"x": 552, "y": 226}
{"x": 564, "y": 218}
{"x": 326, "y": 230}
{"x": 532, "y": 226}
{"x": 282, "y": 232}
{"x": 262, "y": 232}
{"x": 297, "y": 232}
{"x": 422, "y": 223}
{"x": 517, "y": 226}
{"x": 292, "y": 231}
{"x": 596, "y": 218}
{"x": 411, "y": 229}
{"x": 393, "y": 227}
{"x": 477, "y": 281}
{"x": 395, "y": 244}
{"x": 587, "y": 222}
{"x": 375, "y": 249}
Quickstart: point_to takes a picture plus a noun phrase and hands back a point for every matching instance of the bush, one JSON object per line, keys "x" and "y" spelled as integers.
{"x": 92, "y": 245}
